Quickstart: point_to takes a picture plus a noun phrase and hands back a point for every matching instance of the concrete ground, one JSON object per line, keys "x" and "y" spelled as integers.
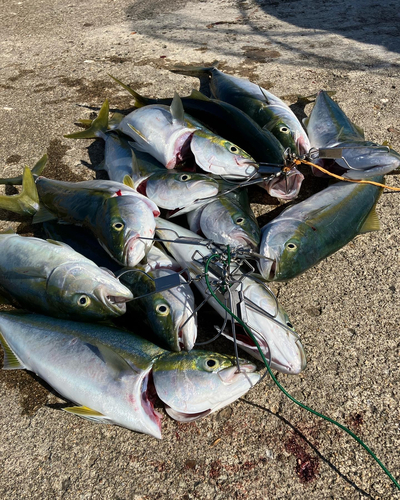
{"x": 55, "y": 57}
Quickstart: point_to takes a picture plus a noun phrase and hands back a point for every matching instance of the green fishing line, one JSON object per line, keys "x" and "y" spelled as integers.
{"x": 305, "y": 407}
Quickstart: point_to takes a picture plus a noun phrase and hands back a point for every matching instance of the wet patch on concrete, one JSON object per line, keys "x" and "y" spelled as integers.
{"x": 32, "y": 394}
{"x": 56, "y": 168}
{"x": 21, "y": 74}
{"x": 259, "y": 54}
{"x": 13, "y": 159}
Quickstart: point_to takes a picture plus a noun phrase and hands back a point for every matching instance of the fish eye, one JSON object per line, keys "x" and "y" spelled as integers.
{"x": 184, "y": 177}
{"x": 162, "y": 309}
{"x": 285, "y": 130}
{"x": 291, "y": 246}
{"x": 118, "y": 226}
{"x": 233, "y": 149}
{"x": 239, "y": 220}
{"x": 83, "y": 301}
{"x": 210, "y": 364}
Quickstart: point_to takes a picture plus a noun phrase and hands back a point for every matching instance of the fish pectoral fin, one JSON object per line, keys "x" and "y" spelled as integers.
{"x": 11, "y": 362}
{"x": 139, "y": 134}
{"x": 59, "y": 243}
{"x": 264, "y": 94}
{"x": 128, "y": 181}
{"x": 117, "y": 364}
{"x": 371, "y": 223}
{"x": 176, "y": 109}
{"x": 88, "y": 413}
{"x": 43, "y": 215}
{"x": 196, "y": 94}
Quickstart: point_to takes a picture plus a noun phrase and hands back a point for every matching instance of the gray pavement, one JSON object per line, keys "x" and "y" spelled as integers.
{"x": 55, "y": 57}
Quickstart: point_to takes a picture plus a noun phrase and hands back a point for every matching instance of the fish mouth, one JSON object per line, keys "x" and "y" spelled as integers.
{"x": 187, "y": 334}
{"x": 285, "y": 187}
{"x": 185, "y": 417}
{"x": 131, "y": 254}
{"x": 248, "y": 344}
{"x": 115, "y": 303}
{"x": 268, "y": 268}
{"x": 244, "y": 240}
{"x": 148, "y": 400}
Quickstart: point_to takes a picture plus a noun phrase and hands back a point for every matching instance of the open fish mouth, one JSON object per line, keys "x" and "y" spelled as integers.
{"x": 242, "y": 239}
{"x": 134, "y": 250}
{"x": 115, "y": 303}
{"x": 149, "y": 398}
{"x": 186, "y": 417}
{"x": 268, "y": 268}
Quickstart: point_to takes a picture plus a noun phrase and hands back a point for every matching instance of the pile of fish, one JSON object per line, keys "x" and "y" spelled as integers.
{"x": 109, "y": 252}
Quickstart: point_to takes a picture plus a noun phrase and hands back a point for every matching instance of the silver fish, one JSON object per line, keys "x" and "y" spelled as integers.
{"x": 108, "y": 372}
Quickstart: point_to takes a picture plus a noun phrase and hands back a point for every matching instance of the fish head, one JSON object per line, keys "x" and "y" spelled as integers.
{"x": 81, "y": 290}
{"x": 227, "y": 222}
{"x": 172, "y": 190}
{"x": 282, "y": 131}
{"x": 126, "y": 228}
{"x": 219, "y": 156}
{"x": 271, "y": 328}
{"x": 196, "y": 383}
{"x": 285, "y": 186}
{"x": 289, "y": 248}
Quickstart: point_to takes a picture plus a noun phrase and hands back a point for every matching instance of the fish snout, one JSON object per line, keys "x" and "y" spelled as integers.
{"x": 114, "y": 298}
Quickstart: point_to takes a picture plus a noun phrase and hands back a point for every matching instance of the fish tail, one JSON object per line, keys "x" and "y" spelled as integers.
{"x": 36, "y": 170}
{"x": 140, "y": 100}
{"x": 98, "y": 127}
{"x": 25, "y": 203}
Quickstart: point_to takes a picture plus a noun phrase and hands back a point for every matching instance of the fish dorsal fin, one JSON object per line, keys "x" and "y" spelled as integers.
{"x": 43, "y": 215}
{"x": 371, "y": 223}
{"x": 11, "y": 362}
{"x": 118, "y": 365}
{"x": 98, "y": 127}
{"x": 176, "y": 109}
{"x": 359, "y": 129}
{"x": 196, "y": 94}
{"x": 140, "y": 101}
{"x": 128, "y": 181}
{"x": 88, "y": 413}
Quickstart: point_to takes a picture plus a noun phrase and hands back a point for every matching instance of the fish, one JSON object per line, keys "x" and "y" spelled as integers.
{"x": 174, "y": 190}
{"x": 113, "y": 376}
{"x": 308, "y": 232}
{"x": 172, "y": 136}
{"x": 122, "y": 220}
{"x": 329, "y": 127}
{"x": 228, "y": 220}
{"x": 168, "y": 312}
{"x": 270, "y": 112}
{"x": 49, "y": 277}
{"x": 266, "y": 319}
{"x": 225, "y": 120}
{"x": 120, "y": 159}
